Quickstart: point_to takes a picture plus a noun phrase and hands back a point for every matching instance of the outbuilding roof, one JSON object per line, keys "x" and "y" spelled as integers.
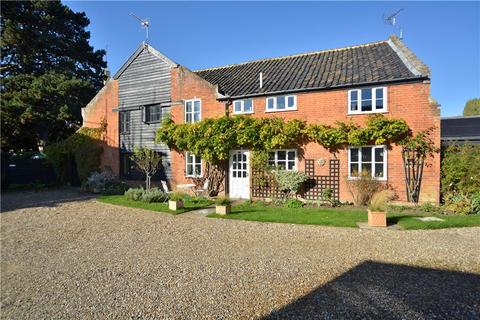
{"x": 378, "y": 62}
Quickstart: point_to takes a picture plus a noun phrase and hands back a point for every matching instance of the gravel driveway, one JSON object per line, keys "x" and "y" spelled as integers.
{"x": 82, "y": 259}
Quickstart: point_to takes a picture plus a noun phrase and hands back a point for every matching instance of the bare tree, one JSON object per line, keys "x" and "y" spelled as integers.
{"x": 147, "y": 161}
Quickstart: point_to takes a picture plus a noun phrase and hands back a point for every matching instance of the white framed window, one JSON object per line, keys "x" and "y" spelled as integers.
{"x": 193, "y": 165}
{"x": 367, "y": 100}
{"x": 283, "y": 159}
{"x": 125, "y": 122}
{"x": 193, "y": 110}
{"x": 153, "y": 113}
{"x": 243, "y": 106}
{"x": 281, "y": 103}
{"x": 372, "y": 159}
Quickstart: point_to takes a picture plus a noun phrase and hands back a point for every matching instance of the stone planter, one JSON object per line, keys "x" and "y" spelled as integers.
{"x": 377, "y": 218}
{"x": 175, "y": 205}
{"x": 223, "y": 209}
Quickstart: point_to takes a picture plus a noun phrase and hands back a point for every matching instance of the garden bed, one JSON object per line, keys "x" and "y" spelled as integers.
{"x": 343, "y": 216}
{"x": 189, "y": 204}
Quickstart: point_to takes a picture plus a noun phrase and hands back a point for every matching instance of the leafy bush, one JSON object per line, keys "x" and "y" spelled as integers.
{"x": 430, "y": 208}
{"x": 98, "y": 182}
{"x": 460, "y": 169}
{"x": 290, "y": 181}
{"x": 223, "y": 201}
{"x": 293, "y": 203}
{"x": 87, "y": 159}
{"x": 380, "y": 199}
{"x": 475, "y": 203}
{"x": 115, "y": 187}
{"x": 154, "y": 195}
{"x": 460, "y": 203}
{"x": 363, "y": 188}
{"x": 177, "y": 196}
{"x": 134, "y": 194}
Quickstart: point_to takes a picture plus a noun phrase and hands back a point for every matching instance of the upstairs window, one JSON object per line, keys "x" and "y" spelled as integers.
{"x": 193, "y": 165}
{"x": 367, "y": 100}
{"x": 153, "y": 113}
{"x": 243, "y": 106}
{"x": 371, "y": 160}
{"x": 125, "y": 122}
{"x": 283, "y": 159}
{"x": 193, "y": 110}
{"x": 282, "y": 103}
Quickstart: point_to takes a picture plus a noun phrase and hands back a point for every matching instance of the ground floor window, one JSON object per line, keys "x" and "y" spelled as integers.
{"x": 193, "y": 165}
{"x": 127, "y": 166}
{"x": 371, "y": 159}
{"x": 283, "y": 159}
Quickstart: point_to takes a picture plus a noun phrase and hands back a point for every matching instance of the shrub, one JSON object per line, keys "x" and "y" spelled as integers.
{"x": 135, "y": 194}
{"x": 290, "y": 181}
{"x": 293, "y": 203}
{"x": 115, "y": 187}
{"x": 475, "y": 203}
{"x": 460, "y": 168}
{"x": 380, "y": 199}
{"x": 98, "y": 182}
{"x": 363, "y": 188}
{"x": 327, "y": 195}
{"x": 223, "y": 201}
{"x": 430, "y": 207}
{"x": 177, "y": 196}
{"x": 459, "y": 203}
{"x": 154, "y": 195}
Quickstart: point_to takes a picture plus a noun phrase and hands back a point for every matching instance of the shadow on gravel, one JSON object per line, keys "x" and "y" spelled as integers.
{"x": 374, "y": 290}
{"x": 45, "y": 198}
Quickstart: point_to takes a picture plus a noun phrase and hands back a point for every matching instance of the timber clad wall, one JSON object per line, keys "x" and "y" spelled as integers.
{"x": 144, "y": 82}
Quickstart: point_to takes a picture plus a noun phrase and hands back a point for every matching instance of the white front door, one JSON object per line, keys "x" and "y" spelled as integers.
{"x": 239, "y": 174}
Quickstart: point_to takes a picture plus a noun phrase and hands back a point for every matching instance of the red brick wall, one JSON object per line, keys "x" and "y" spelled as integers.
{"x": 409, "y": 101}
{"x": 187, "y": 85}
{"x": 99, "y": 109}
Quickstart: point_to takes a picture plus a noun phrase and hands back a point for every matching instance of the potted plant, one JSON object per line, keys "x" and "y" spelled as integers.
{"x": 176, "y": 201}
{"x": 223, "y": 205}
{"x": 377, "y": 216}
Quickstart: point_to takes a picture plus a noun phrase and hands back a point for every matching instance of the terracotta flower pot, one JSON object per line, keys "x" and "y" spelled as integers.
{"x": 223, "y": 209}
{"x": 175, "y": 205}
{"x": 377, "y": 218}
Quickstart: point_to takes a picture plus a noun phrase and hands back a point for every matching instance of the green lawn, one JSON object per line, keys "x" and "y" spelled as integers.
{"x": 190, "y": 204}
{"x": 342, "y": 217}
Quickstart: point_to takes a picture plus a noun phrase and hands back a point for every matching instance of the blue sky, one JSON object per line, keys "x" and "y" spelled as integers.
{"x": 445, "y": 35}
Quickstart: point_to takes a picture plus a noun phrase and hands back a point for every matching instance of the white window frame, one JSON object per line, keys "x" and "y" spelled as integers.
{"x": 193, "y": 110}
{"x": 187, "y": 154}
{"x": 242, "y": 109}
{"x": 295, "y": 167}
{"x": 286, "y": 103}
{"x": 374, "y": 101}
{"x": 385, "y": 161}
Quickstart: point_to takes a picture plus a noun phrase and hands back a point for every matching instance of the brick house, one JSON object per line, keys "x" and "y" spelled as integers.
{"x": 320, "y": 87}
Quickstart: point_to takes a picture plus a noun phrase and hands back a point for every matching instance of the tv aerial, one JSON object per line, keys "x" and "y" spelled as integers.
{"x": 391, "y": 20}
{"x": 144, "y": 23}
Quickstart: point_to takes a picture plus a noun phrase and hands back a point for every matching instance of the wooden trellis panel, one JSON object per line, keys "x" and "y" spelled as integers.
{"x": 264, "y": 186}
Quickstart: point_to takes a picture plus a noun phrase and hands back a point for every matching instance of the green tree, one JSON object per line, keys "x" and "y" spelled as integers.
{"x": 48, "y": 72}
{"x": 147, "y": 161}
{"x": 472, "y": 107}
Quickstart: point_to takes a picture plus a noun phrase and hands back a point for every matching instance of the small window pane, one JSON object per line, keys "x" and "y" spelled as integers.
{"x": 354, "y": 155}
{"x": 248, "y": 105}
{"x": 367, "y": 154}
{"x": 244, "y": 166}
{"x": 196, "y": 117}
{"x": 234, "y": 174}
{"x": 271, "y": 156}
{"x": 189, "y": 117}
{"x": 291, "y": 155}
{"x": 281, "y": 102}
{"x": 281, "y": 165}
{"x": 354, "y": 100}
{"x": 238, "y": 106}
{"x": 196, "y": 106}
{"x": 198, "y": 169}
{"x": 366, "y": 94}
{"x": 188, "y": 106}
{"x": 281, "y": 155}
{"x": 291, "y": 165}
{"x": 379, "y": 170}
{"x": 379, "y": 154}
{"x": 244, "y": 174}
{"x": 354, "y": 169}
{"x": 291, "y": 101}
{"x": 270, "y": 104}
{"x": 366, "y": 167}
{"x": 234, "y": 166}
{"x": 379, "y": 93}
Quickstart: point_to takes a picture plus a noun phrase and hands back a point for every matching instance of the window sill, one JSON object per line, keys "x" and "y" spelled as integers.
{"x": 366, "y": 112}
{"x": 358, "y": 178}
{"x": 281, "y": 110}
{"x": 152, "y": 122}
{"x": 240, "y": 113}
{"x": 194, "y": 176}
